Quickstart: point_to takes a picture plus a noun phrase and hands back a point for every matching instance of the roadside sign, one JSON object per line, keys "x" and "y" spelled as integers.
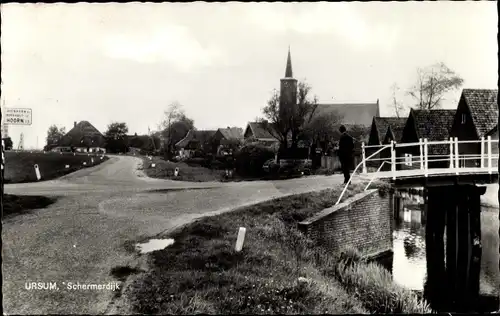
{"x": 17, "y": 116}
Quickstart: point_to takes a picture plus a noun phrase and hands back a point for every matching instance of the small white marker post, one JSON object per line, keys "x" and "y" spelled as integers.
{"x": 92, "y": 160}
{"x": 37, "y": 171}
{"x": 84, "y": 163}
{"x": 153, "y": 165}
{"x": 176, "y": 172}
{"x": 241, "y": 239}
{"x": 67, "y": 166}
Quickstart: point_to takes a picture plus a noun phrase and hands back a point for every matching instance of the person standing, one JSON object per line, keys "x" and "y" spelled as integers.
{"x": 346, "y": 152}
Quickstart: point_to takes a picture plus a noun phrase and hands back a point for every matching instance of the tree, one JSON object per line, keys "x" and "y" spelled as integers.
{"x": 323, "y": 127}
{"x": 397, "y": 106}
{"x": 432, "y": 84}
{"x": 54, "y": 135}
{"x": 175, "y": 126}
{"x": 291, "y": 122}
{"x": 116, "y": 137}
{"x": 8, "y": 143}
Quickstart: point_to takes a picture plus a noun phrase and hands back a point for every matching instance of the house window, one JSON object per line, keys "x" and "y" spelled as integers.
{"x": 463, "y": 118}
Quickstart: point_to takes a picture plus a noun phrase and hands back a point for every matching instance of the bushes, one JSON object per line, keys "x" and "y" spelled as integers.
{"x": 250, "y": 159}
{"x": 374, "y": 286}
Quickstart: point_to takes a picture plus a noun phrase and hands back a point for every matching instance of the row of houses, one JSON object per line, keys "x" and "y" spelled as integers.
{"x": 476, "y": 116}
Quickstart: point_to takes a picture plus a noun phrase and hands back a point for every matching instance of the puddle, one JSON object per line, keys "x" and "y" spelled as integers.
{"x": 154, "y": 244}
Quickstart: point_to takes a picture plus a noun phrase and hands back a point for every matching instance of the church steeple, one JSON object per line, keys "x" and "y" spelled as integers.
{"x": 288, "y": 91}
{"x": 288, "y": 71}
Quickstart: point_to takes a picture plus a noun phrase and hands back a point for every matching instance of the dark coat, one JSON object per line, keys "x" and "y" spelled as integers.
{"x": 346, "y": 149}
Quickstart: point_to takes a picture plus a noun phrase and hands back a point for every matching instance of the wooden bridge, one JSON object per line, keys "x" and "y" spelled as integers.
{"x": 452, "y": 199}
{"x": 407, "y": 170}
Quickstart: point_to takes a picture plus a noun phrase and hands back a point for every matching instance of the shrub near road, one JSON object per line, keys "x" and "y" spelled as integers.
{"x": 19, "y": 166}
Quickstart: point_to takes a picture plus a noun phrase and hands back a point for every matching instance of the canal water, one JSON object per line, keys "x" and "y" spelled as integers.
{"x": 409, "y": 267}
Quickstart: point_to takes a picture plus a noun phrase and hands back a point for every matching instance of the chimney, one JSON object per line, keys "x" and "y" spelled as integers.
{"x": 74, "y": 124}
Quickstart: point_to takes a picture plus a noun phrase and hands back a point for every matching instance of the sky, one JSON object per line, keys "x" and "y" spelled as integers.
{"x": 127, "y": 62}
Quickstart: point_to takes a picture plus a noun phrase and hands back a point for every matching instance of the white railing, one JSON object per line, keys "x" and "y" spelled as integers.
{"x": 453, "y": 157}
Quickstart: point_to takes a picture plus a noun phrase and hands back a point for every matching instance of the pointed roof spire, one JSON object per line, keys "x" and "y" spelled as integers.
{"x": 288, "y": 71}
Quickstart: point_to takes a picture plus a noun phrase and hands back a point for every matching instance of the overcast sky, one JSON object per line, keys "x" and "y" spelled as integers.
{"x": 127, "y": 62}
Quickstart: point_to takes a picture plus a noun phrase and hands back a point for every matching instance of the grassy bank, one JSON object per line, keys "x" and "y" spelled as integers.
{"x": 19, "y": 204}
{"x": 277, "y": 271}
{"x": 165, "y": 170}
{"x": 19, "y": 165}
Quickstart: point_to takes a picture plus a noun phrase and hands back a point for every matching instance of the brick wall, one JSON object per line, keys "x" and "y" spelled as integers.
{"x": 363, "y": 221}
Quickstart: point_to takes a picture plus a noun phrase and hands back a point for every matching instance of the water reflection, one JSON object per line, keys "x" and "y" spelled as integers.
{"x": 410, "y": 258}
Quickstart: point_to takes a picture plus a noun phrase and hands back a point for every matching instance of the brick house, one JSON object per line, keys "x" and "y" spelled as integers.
{"x": 434, "y": 125}
{"x": 195, "y": 141}
{"x": 225, "y": 140}
{"x": 476, "y": 117}
{"x": 379, "y": 130}
{"x": 260, "y": 132}
{"x": 83, "y": 137}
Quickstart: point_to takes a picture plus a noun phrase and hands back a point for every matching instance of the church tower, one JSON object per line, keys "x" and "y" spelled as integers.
{"x": 288, "y": 88}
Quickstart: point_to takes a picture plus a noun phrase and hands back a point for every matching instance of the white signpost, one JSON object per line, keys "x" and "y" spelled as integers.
{"x": 92, "y": 160}
{"x": 67, "y": 166}
{"x": 37, "y": 171}
{"x": 176, "y": 172}
{"x": 18, "y": 116}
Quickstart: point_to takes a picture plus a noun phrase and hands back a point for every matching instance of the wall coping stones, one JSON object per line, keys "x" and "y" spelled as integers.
{"x": 341, "y": 206}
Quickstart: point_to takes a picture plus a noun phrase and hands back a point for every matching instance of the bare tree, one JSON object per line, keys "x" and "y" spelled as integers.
{"x": 174, "y": 126}
{"x": 432, "y": 84}
{"x": 275, "y": 124}
{"x": 397, "y": 106}
{"x": 292, "y": 120}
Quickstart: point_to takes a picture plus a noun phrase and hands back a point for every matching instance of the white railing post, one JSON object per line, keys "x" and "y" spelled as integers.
{"x": 393, "y": 161}
{"x": 426, "y": 153}
{"x": 457, "y": 155}
{"x": 489, "y": 154}
{"x": 451, "y": 152}
{"x": 364, "y": 156}
{"x": 421, "y": 144}
{"x": 482, "y": 152}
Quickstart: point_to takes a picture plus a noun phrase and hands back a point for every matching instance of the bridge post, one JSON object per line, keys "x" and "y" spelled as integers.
{"x": 421, "y": 144}
{"x": 451, "y": 152}
{"x": 393, "y": 161}
{"x": 482, "y": 152}
{"x": 426, "y": 159}
{"x": 364, "y": 156}
{"x": 457, "y": 154}
{"x": 489, "y": 154}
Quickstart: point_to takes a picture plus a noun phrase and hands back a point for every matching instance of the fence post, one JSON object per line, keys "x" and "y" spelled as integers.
{"x": 393, "y": 161}
{"x": 363, "y": 153}
{"x": 457, "y": 155}
{"x": 482, "y": 152}
{"x": 420, "y": 143}
{"x": 451, "y": 152}
{"x": 426, "y": 162}
{"x": 489, "y": 154}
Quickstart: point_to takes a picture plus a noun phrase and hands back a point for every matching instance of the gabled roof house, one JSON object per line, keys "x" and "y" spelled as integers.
{"x": 83, "y": 136}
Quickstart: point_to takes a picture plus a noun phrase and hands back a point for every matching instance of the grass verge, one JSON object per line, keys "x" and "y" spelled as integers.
{"x": 371, "y": 283}
{"x": 165, "y": 170}
{"x": 19, "y": 165}
{"x": 201, "y": 272}
{"x": 18, "y": 204}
